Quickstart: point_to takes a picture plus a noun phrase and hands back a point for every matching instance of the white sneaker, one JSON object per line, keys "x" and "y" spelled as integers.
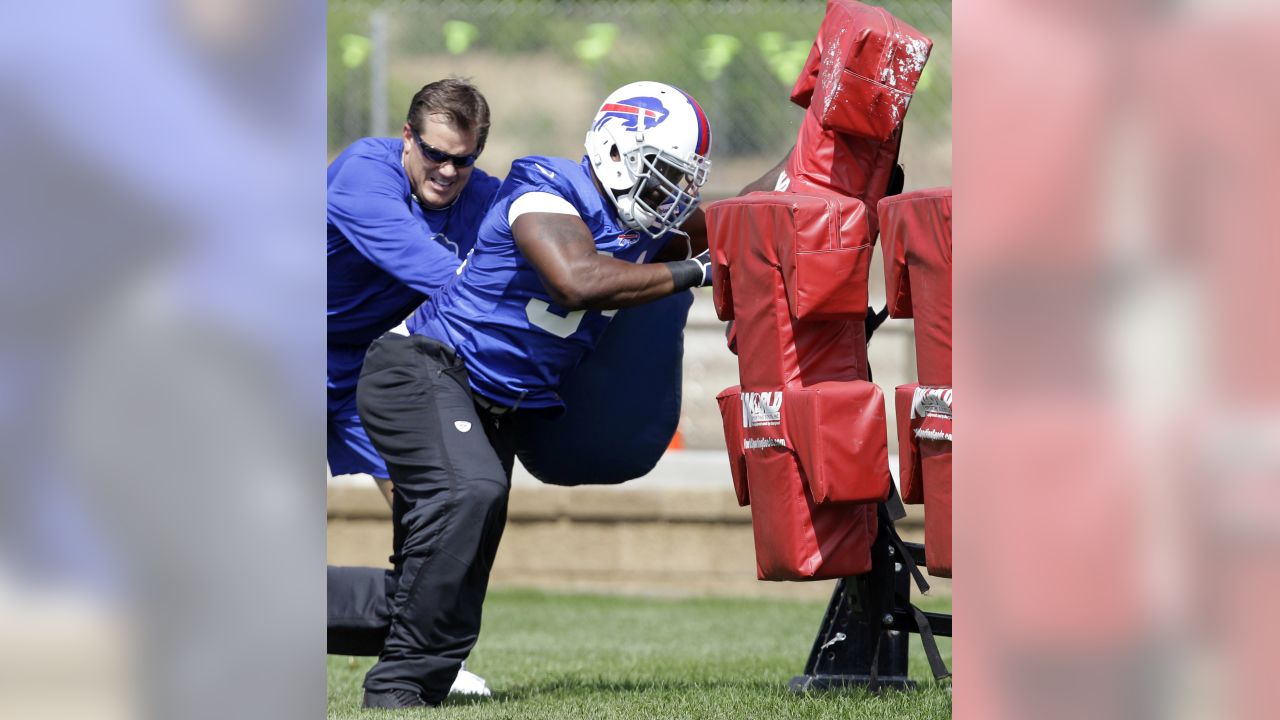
{"x": 469, "y": 683}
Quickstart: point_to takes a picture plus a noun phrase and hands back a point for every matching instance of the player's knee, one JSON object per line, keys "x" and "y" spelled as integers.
{"x": 480, "y": 495}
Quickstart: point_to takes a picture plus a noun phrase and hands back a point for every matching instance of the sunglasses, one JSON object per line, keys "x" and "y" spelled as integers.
{"x": 440, "y": 156}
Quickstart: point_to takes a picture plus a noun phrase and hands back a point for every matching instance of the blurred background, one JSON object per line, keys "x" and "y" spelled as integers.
{"x": 545, "y": 66}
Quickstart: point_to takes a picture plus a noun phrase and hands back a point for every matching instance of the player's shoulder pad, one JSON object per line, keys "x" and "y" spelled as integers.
{"x": 541, "y": 172}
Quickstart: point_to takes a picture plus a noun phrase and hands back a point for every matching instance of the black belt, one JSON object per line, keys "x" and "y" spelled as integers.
{"x": 490, "y": 406}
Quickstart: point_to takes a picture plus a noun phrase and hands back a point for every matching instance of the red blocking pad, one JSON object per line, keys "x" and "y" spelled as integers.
{"x": 895, "y": 223}
{"x": 915, "y": 228}
{"x": 838, "y": 432}
{"x": 805, "y": 259}
{"x": 935, "y": 462}
{"x": 806, "y": 433}
{"x": 856, "y": 84}
{"x": 862, "y": 70}
{"x": 808, "y": 451}
{"x": 820, "y": 243}
{"x": 797, "y": 540}
{"x": 809, "y": 460}
{"x": 826, "y": 161}
{"x": 834, "y": 430}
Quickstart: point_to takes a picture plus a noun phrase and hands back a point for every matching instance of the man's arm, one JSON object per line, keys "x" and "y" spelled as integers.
{"x": 563, "y": 251}
{"x": 769, "y": 180}
{"x": 366, "y": 204}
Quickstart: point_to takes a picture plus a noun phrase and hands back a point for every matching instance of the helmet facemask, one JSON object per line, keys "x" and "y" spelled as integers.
{"x": 665, "y": 191}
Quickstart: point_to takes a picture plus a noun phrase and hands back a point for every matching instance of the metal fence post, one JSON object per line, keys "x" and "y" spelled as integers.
{"x": 378, "y": 73}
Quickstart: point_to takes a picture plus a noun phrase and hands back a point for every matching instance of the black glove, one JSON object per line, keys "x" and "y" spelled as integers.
{"x": 704, "y": 264}
{"x": 694, "y": 272}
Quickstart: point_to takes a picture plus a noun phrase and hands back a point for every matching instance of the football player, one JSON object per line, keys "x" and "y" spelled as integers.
{"x": 564, "y": 245}
{"x": 402, "y": 213}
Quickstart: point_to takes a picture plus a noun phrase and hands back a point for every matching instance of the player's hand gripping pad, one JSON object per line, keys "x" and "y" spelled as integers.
{"x": 862, "y": 70}
{"x": 623, "y": 402}
{"x": 915, "y": 229}
{"x": 806, "y": 434}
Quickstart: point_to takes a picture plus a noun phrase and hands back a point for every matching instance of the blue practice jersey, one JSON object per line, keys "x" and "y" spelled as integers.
{"x": 517, "y": 344}
{"x": 386, "y": 253}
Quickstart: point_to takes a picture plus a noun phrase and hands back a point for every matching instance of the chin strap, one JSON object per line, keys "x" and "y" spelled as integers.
{"x": 688, "y": 242}
{"x": 628, "y": 212}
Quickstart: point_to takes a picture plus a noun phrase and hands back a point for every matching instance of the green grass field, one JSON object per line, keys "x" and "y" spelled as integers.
{"x": 556, "y": 657}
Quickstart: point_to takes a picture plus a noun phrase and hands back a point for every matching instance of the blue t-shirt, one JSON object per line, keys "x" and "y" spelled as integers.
{"x": 385, "y": 252}
{"x": 518, "y": 344}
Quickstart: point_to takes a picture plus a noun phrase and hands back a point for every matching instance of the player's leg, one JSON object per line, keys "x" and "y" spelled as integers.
{"x": 384, "y": 487}
{"x": 359, "y": 614}
{"x": 451, "y": 496}
{"x": 359, "y": 609}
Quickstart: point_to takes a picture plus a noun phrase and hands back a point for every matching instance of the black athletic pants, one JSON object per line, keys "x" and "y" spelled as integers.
{"x": 452, "y": 473}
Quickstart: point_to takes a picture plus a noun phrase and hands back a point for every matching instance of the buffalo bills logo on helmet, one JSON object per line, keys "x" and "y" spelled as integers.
{"x": 631, "y": 111}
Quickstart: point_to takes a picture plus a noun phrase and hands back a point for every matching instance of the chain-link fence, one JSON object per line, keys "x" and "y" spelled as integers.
{"x": 545, "y": 65}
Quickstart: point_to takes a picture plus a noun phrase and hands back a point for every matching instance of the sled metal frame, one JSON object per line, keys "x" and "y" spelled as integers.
{"x": 863, "y": 639}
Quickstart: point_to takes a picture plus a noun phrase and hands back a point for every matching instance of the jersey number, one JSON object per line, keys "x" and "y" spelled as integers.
{"x": 540, "y": 315}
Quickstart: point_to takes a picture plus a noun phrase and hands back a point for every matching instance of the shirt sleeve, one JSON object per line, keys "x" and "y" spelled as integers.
{"x": 539, "y": 201}
{"x": 366, "y": 203}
